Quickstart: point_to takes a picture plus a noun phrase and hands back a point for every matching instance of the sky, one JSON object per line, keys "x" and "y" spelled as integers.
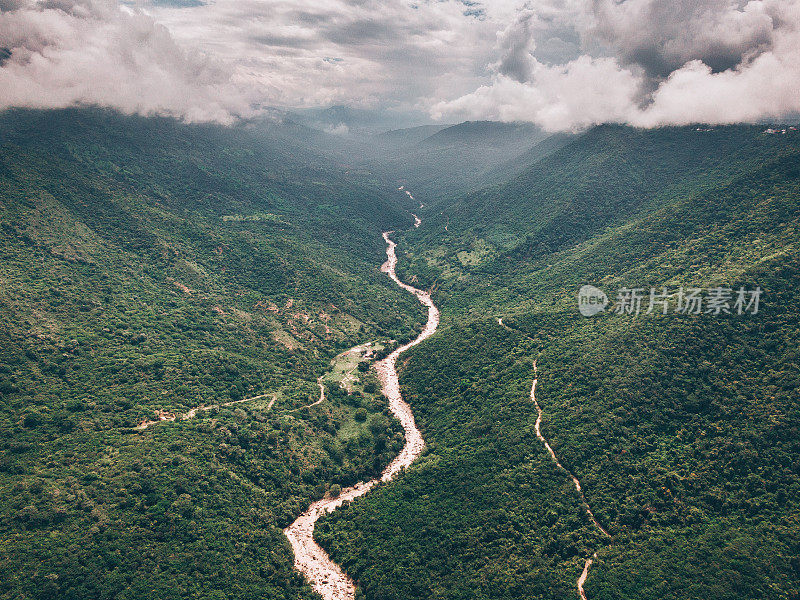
{"x": 562, "y": 64}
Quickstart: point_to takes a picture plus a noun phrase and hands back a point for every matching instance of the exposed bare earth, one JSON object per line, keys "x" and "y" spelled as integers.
{"x": 168, "y": 416}
{"x": 328, "y": 578}
{"x": 584, "y": 575}
{"x": 576, "y": 483}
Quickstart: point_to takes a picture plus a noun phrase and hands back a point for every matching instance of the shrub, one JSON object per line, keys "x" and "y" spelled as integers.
{"x": 32, "y": 419}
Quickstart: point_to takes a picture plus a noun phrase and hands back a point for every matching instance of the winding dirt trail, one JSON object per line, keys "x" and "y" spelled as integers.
{"x": 168, "y": 416}
{"x": 587, "y": 565}
{"x": 576, "y": 483}
{"x": 319, "y": 401}
{"x": 558, "y": 464}
{"x": 584, "y": 575}
{"x": 326, "y": 577}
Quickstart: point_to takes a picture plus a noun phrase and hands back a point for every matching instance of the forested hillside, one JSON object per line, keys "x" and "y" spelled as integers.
{"x": 682, "y": 428}
{"x": 454, "y": 160}
{"x": 590, "y": 189}
{"x": 154, "y": 266}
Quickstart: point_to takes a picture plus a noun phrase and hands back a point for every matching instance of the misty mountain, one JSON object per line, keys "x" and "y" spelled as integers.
{"x": 454, "y": 159}
{"x": 399, "y": 138}
{"x": 151, "y": 267}
{"x": 347, "y": 120}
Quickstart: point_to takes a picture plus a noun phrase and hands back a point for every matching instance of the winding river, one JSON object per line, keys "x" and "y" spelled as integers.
{"x": 326, "y": 577}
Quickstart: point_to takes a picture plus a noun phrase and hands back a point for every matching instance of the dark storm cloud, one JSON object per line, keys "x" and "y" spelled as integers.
{"x": 661, "y": 37}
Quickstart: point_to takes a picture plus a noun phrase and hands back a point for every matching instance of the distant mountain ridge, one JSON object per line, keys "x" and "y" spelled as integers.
{"x": 487, "y": 133}
{"x": 453, "y": 159}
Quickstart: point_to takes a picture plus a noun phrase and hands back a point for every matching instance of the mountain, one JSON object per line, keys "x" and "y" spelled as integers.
{"x": 452, "y": 160}
{"x": 154, "y": 270}
{"x": 602, "y": 178}
{"x": 347, "y": 120}
{"x": 151, "y": 267}
{"x": 486, "y": 134}
{"x": 681, "y": 428}
{"x": 400, "y": 138}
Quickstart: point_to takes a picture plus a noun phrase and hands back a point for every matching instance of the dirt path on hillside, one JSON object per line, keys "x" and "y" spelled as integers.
{"x": 168, "y": 416}
{"x": 575, "y": 482}
{"x": 319, "y": 401}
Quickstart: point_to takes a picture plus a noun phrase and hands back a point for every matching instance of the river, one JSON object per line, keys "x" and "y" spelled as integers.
{"x": 326, "y": 577}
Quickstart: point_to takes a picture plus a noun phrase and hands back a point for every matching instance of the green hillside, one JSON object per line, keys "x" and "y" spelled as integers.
{"x": 455, "y": 159}
{"x": 150, "y": 265}
{"x": 682, "y": 428}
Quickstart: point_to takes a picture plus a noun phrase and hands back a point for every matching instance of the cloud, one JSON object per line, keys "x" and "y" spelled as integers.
{"x": 698, "y": 61}
{"x": 340, "y": 129}
{"x": 663, "y": 36}
{"x": 95, "y": 52}
{"x": 578, "y": 94}
{"x": 765, "y": 84}
{"x": 220, "y": 59}
{"x": 388, "y": 53}
{"x": 516, "y": 44}
{"x": 564, "y": 64}
{"x": 767, "y": 87}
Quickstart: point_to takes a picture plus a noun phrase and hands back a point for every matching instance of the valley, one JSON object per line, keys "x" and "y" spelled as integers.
{"x": 361, "y": 300}
{"x": 326, "y": 576}
{"x": 642, "y": 411}
{"x": 186, "y": 409}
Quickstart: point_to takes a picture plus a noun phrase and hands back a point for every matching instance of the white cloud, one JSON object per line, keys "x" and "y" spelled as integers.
{"x": 731, "y": 62}
{"x": 663, "y": 36}
{"x": 386, "y": 52}
{"x": 563, "y": 64}
{"x": 768, "y": 87}
{"x": 583, "y": 92}
{"x": 98, "y": 53}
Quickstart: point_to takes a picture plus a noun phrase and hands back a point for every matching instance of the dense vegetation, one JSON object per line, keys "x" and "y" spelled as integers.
{"x": 682, "y": 428}
{"x": 468, "y": 520}
{"x": 153, "y": 266}
{"x": 149, "y": 265}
